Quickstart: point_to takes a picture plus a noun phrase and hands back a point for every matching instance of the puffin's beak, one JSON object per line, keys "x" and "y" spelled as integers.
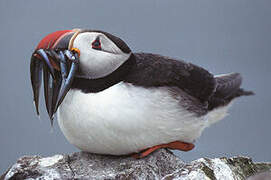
{"x": 59, "y": 63}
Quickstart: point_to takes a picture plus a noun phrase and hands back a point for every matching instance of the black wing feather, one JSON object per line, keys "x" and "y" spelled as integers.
{"x": 151, "y": 70}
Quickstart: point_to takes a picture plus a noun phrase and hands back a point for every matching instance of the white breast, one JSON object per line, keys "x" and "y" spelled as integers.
{"x": 124, "y": 119}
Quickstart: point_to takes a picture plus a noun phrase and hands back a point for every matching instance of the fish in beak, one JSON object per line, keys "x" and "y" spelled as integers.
{"x": 55, "y": 60}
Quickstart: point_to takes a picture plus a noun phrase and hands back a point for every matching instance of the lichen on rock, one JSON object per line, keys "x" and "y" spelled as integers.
{"x": 162, "y": 164}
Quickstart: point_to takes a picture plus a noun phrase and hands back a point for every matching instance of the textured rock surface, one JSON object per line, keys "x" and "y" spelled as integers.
{"x": 160, "y": 165}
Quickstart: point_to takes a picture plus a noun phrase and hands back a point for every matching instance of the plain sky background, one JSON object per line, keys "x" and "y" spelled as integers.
{"x": 221, "y": 36}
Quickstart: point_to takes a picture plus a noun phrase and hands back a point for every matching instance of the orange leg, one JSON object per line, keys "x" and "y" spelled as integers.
{"x": 173, "y": 145}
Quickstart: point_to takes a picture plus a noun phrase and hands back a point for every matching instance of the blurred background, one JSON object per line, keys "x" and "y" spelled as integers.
{"x": 221, "y": 36}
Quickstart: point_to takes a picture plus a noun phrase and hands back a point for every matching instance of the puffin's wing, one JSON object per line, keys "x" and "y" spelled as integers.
{"x": 153, "y": 70}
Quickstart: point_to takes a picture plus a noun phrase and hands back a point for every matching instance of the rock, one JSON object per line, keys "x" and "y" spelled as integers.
{"x": 160, "y": 165}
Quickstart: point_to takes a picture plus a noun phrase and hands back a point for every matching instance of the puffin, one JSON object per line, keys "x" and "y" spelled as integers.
{"x": 109, "y": 100}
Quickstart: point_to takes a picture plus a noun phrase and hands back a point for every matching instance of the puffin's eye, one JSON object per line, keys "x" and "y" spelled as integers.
{"x": 96, "y": 44}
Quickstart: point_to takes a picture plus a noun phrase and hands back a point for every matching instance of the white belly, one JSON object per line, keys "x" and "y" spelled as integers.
{"x": 124, "y": 119}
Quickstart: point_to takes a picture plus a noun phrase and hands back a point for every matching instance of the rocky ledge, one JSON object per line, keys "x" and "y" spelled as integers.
{"x": 160, "y": 165}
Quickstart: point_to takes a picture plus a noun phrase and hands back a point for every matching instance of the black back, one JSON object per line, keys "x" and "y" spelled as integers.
{"x": 153, "y": 70}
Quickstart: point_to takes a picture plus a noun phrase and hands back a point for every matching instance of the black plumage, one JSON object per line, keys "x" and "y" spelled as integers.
{"x": 203, "y": 91}
{"x": 228, "y": 88}
{"x": 153, "y": 70}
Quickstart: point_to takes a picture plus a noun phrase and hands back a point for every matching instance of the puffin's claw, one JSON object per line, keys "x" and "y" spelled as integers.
{"x": 176, "y": 145}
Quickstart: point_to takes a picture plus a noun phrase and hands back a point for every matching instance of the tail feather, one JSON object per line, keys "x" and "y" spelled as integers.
{"x": 242, "y": 92}
{"x": 228, "y": 88}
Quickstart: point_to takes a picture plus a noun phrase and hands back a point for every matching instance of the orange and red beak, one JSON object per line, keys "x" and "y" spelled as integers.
{"x": 55, "y": 57}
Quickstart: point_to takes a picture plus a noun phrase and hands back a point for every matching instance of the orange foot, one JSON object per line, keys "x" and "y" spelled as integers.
{"x": 173, "y": 145}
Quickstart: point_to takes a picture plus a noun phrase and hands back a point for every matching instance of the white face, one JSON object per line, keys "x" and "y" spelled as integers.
{"x": 96, "y": 62}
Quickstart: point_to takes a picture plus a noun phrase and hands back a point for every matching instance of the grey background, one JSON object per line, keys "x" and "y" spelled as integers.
{"x": 222, "y": 36}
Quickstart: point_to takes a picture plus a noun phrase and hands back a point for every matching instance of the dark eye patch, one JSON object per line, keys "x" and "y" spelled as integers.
{"x": 96, "y": 44}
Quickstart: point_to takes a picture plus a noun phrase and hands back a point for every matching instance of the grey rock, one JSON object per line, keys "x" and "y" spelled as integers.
{"x": 162, "y": 164}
